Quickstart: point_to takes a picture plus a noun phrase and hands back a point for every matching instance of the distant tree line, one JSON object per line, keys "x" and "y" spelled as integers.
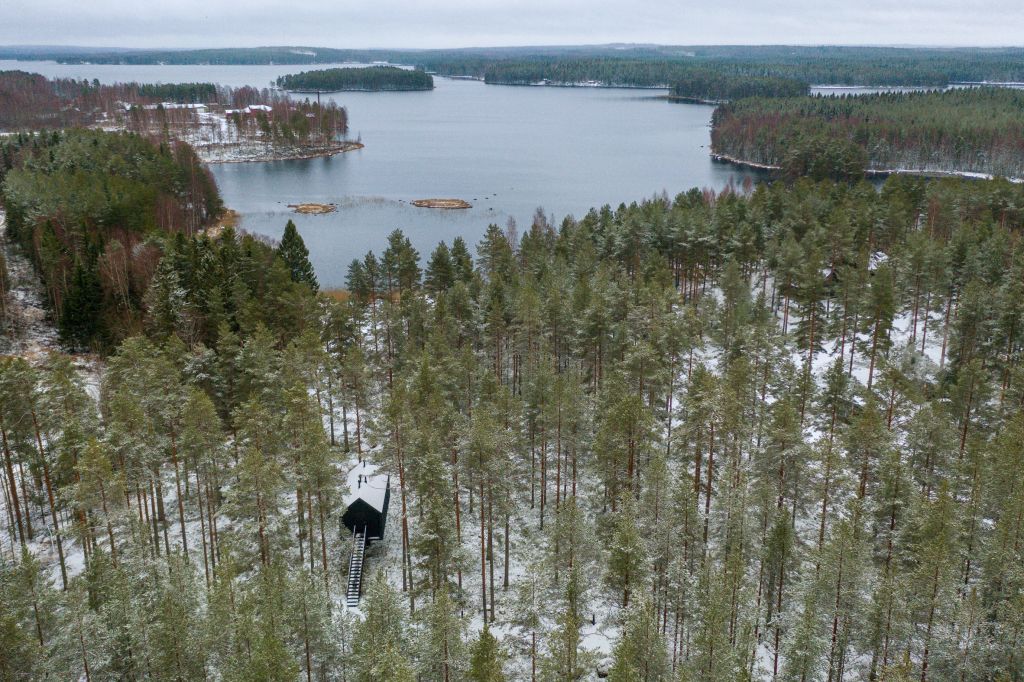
{"x": 966, "y": 130}
{"x": 177, "y": 92}
{"x": 609, "y": 72}
{"x": 369, "y": 78}
{"x": 708, "y": 86}
{"x": 817, "y": 66}
{"x": 688, "y": 80}
{"x": 773, "y": 76}
{"x": 827, "y": 65}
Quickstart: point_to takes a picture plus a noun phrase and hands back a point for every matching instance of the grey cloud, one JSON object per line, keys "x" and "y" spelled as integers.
{"x": 460, "y": 23}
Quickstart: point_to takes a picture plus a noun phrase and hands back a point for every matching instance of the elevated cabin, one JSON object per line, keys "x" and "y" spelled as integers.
{"x": 366, "y": 503}
{"x": 365, "y": 516}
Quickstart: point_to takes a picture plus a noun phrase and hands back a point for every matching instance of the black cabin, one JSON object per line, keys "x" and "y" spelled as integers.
{"x": 367, "y": 504}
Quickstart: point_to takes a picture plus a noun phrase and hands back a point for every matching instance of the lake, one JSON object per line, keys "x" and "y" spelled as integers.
{"x": 507, "y": 150}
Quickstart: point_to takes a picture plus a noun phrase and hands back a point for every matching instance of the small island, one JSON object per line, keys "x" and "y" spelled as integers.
{"x": 313, "y": 209}
{"x": 442, "y": 203}
{"x": 368, "y": 79}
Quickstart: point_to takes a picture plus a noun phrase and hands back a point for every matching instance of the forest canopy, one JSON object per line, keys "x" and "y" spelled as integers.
{"x": 978, "y": 130}
{"x": 371, "y": 78}
{"x": 728, "y": 434}
{"x": 709, "y": 86}
{"x": 688, "y": 80}
{"x": 82, "y": 204}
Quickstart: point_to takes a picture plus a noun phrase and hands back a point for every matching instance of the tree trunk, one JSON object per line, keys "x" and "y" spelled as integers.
{"x": 181, "y": 502}
{"x": 483, "y": 553}
{"x": 323, "y": 534}
{"x": 13, "y": 483}
{"x": 53, "y": 506}
{"x": 711, "y": 474}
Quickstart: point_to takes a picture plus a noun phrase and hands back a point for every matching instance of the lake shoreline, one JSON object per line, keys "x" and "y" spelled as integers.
{"x": 684, "y": 99}
{"x": 332, "y": 90}
{"x": 594, "y": 86}
{"x": 209, "y": 153}
{"x": 869, "y": 172}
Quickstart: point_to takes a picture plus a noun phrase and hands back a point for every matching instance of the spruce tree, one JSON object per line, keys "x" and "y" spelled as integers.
{"x": 295, "y": 255}
{"x": 81, "y": 321}
{"x": 440, "y": 272}
{"x": 165, "y": 301}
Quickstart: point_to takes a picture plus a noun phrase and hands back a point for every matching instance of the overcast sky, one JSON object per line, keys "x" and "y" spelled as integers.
{"x": 465, "y": 23}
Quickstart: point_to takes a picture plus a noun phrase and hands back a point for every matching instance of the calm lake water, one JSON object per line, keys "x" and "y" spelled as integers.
{"x": 506, "y": 150}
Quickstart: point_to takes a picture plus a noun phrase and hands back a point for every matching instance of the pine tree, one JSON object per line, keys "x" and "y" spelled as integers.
{"x": 528, "y": 609}
{"x": 381, "y": 652}
{"x": 5, "y": 288}
{"x": 934, "y": 551}
{"x": 175, "y": 652}
{"x": 311, "y": 621}
{"x": 713, "y": 656}
{"x": 22, "y": 637}
{"x": 804, "y": 644}
{"x": 442, "y": 651}
{"x": 391, "y": 664}
{"x": 254, "y": 500}
{"x": 99, "y": 491}
{"x": 564, "y": 660}
{"x": 400, "y": 263}
{"x": 487, "y": 659}
{"x": 72, "y": 654}
{"x": 640, "y": 654}
{"x": 881, "y": 309}
{"x": 627, "y": 559}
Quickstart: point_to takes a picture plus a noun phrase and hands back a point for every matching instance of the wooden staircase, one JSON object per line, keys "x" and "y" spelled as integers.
{"x": 355, "y": 568}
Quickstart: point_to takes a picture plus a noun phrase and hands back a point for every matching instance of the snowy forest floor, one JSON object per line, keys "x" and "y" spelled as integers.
{"x": 33, "y": 335}
{"x": 28, "y": 329}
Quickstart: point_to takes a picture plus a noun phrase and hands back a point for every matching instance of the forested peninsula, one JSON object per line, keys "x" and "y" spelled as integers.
{"x": 371, "y": 79}
{"x": 962, "y": 130}
{"x": 220, "y": 123}
{"x": 687, "y": 81}
{"x": 716, "y": 88}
